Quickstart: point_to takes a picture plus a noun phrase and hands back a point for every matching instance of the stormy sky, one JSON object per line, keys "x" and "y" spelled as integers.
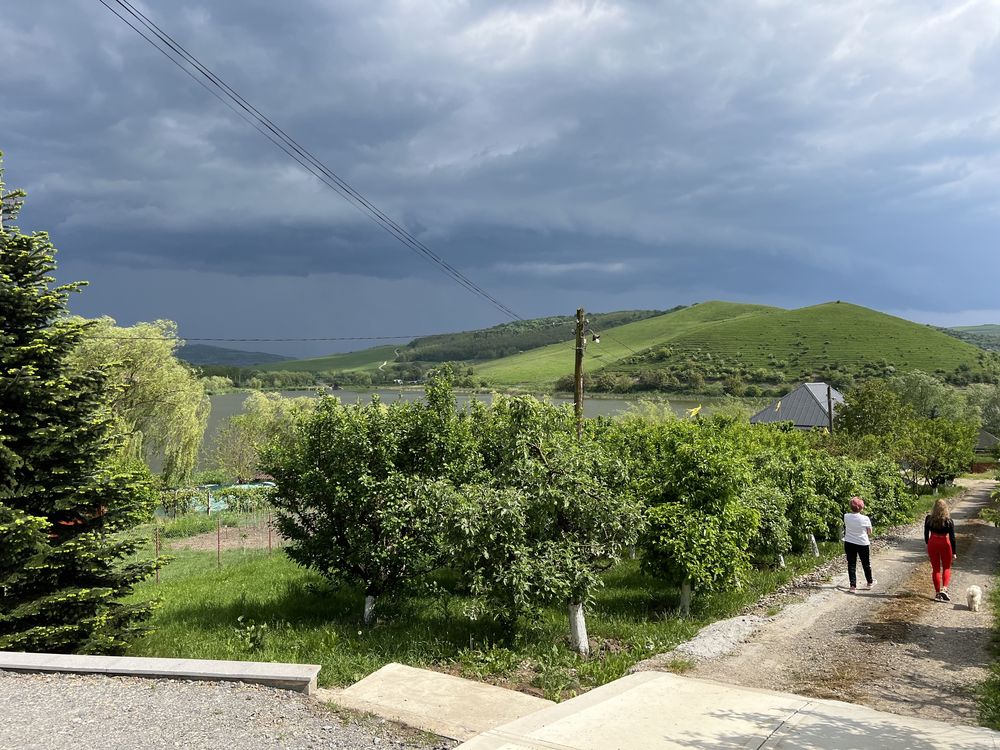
{"x": 609, "y": 155}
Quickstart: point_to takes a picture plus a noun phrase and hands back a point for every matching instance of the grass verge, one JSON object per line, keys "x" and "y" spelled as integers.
{"x": 266, "y": 608}
{"x": 262, "y": 607}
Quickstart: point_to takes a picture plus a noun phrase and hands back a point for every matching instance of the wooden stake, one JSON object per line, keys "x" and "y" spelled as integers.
{"x": 829, "y": 407}
{"x": 156, "y": 546}
{"x": 218, "y": 541}
{"x": 269, "y": 533}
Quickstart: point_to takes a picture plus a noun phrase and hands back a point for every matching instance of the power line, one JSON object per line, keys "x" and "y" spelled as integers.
{"x": 192, "y": 338}
{"x": 172, "y": 50}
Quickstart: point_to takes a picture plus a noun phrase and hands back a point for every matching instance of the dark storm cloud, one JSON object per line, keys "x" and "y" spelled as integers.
{"x": 626, "y": 153}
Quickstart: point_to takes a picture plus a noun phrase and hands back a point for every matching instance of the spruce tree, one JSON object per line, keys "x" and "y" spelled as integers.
{"x": 64, "y": 504}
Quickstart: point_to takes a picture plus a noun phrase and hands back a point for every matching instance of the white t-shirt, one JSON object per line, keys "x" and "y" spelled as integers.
{"x": 856, "y": 527}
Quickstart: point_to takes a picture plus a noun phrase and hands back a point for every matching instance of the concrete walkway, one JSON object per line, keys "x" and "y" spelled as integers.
{"x": 667, "y": 711}
{"x": 449, "y": 706}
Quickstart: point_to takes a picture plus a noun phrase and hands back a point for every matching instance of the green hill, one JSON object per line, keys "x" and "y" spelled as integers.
{"x": 408, "y": 361}
{"x": 542, "y": 367}
{"x": 724, "y": 347}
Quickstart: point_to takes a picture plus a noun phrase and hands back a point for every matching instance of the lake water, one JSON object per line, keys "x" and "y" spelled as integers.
{"x": 225, "y": 405}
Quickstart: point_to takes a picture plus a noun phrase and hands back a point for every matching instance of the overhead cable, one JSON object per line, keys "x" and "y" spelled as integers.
{"x": 187, "y": 62}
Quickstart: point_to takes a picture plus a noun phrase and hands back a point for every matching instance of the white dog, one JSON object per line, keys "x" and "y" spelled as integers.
{"x": 974, "y": 595}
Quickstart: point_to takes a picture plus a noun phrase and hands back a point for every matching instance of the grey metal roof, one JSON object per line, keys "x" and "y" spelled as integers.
{"x": 987, "y": 442}
{"x": 805, "y": 407}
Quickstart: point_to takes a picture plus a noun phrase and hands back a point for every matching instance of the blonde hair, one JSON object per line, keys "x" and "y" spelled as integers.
{"x": 940, "y": 514}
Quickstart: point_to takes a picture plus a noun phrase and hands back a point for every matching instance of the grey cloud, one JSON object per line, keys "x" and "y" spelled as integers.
{"x": 791, "y": 151}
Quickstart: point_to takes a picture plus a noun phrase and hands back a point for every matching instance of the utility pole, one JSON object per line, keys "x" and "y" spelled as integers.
{"x": 829, "y": 406}
{"x": 581, "y": 338}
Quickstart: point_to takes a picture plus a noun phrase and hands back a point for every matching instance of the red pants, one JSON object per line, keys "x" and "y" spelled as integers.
{"x": 939, "y": 550}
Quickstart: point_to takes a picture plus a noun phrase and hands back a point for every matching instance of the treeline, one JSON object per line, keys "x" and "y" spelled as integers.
{"x": 511, "y": 338}
{"x": 525, "y": 514}
{"x": 661, "y": 369}
{"x": 220, "y": 379}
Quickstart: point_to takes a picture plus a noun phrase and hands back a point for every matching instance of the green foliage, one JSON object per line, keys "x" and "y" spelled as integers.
{"x": 550, "y": 511}
{"x": 358, "y": 489}
{"x": 266, "y": 418}
{"x": 64, "y": 499}
{"x": 936, "y": 451}
{"x": 157, "y": 401}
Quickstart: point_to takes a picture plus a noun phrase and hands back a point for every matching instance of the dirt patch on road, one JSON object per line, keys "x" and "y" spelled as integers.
{"x": 893, "y": 648}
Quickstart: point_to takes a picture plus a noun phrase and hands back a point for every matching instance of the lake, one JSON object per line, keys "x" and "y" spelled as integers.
{"x": 225, "y": 405}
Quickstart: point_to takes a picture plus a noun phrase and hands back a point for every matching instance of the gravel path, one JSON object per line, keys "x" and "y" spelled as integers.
{"x": 893, "y": 649}
{"x": 89, "y": 712}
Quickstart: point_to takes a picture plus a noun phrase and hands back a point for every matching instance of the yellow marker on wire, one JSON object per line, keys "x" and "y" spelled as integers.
{"x": 694, "y": 412}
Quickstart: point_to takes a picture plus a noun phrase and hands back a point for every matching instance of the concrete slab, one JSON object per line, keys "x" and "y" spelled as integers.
{"x": 661, "y": 711}
{"x": 298, "y": 677}
{"x": 439, "y": 703}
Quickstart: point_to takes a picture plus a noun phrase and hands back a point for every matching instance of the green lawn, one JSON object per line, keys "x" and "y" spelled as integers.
{"x": 266, "y": 608}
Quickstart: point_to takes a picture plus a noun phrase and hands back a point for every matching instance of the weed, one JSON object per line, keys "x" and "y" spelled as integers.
{"x": 250, "y": 635}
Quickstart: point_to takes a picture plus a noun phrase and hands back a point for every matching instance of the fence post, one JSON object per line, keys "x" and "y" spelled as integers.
{"x": 218, "y": 540}
{"x": 268, "y": 533}
{"x": 156, "y": 551}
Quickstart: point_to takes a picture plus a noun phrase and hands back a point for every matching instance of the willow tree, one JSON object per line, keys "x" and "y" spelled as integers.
{"x": 266, "y": 418}
{"x": 64, "y": 575}
{"x": 158, "y": 402}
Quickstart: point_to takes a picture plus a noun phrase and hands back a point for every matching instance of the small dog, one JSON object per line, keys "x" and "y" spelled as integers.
{"x": 974, "y": 595}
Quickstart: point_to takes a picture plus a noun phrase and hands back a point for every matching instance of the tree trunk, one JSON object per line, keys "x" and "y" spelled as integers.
{"x": 369, "y": 609}
{"x": 815, "y": 547}
{"x": 686, "y": 597}
{"x": 578, "y": 630}
{"x": 781, "y": 561}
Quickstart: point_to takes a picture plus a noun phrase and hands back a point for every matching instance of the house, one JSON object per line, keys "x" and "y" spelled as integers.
{"x": 805, "y": 407}
{"x": 987, "y": 442}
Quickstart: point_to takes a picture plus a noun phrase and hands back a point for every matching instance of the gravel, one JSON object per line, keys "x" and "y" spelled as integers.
{"x": 125, "y": 713}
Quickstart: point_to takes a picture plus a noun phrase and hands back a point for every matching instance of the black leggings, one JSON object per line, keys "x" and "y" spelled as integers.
{"x": 854, "y": 551}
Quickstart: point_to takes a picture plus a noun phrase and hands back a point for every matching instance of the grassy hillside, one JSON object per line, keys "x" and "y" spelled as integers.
{"x": 410, "y": 360}
{"x": 542, "y": 367}
{"x": 985, "y": 337}
{"x": 991, "y": 329}
{"x": 510, "y": 338}
{"x": 721, "y": 347}
{"x": 203, "y": 354}
{"x": 365, "y": 359}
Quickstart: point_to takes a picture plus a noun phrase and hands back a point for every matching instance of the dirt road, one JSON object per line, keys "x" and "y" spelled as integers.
{"x": 893, "y": 648}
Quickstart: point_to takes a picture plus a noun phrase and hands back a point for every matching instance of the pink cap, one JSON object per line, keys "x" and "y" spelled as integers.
{"x": 857, "y": 503}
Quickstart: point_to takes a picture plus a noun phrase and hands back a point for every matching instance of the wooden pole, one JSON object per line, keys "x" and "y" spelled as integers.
{"x": 829, "y": 407}
{"x": 269, "y": 533}
{"x": 156, "y": 546}
{"x": 578, "y": 372}
{"x": 218, "y": 540}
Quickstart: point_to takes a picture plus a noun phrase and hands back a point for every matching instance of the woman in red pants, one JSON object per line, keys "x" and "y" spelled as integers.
{"x": 939, "y": 534}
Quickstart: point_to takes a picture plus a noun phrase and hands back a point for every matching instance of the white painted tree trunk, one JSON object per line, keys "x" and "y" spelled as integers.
{"x": 686, "y": 597}
{"x": 781, "y": 561}
{"x": 369, "y": 610}
{"x": 578, "y": 630}
{"x": 812, "y": 541}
